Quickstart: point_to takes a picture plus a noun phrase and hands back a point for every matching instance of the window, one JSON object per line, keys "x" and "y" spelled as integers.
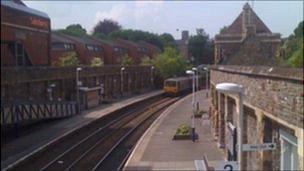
{"x": 116, "y": 49}
{"x": 289, "y": 148}
{"x": 58, "y": 46}
{"x": 90, "y": 47}
{"x": 170, "y": 83}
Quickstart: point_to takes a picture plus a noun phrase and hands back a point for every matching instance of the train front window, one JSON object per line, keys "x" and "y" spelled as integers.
{"x": 171, "y": 83}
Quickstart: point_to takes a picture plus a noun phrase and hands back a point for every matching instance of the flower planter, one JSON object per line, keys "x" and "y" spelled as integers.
{"x": 182, "y": 137}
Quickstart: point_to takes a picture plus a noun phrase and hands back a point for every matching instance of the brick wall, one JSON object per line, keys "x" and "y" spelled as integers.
{"x": 32, "y": 83}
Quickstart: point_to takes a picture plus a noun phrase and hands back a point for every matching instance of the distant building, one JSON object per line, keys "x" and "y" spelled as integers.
{"x": 86, "y": 48}
{"x": 153, "y": 50}
{"x": 182, "y": 44}
{"x": 136, "y": 51}
{"x": 247, "y": 41}
{"x": 60, "y": 47}
{"x": 114, "y": 52}
{"x": 25, "y": 35}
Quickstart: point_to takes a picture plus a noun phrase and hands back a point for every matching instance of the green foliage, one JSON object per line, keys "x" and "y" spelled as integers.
{"x": 223, "y": 29}
{"x": 146, "y": 61}
{"x": 74, "y": 30}
{"x": 101, "y": 36}
{"x": 106, "y": 27}
{"x": 70, "y": 59}
{"x": 170, "y": 63}
{"x": 126, "y": 61}
{"x": 167, "y": 40}
{"x": 137, "y": 35}
{"x": 296, "y": 59}
{"x": 183, "y": 129}
{"x": 96, "y": 62}
{"x": 293, "y": 48}
{"x": 201, "y": 48}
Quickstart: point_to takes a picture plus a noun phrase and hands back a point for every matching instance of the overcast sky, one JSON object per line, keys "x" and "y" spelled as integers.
{"x": 168, "y": 16}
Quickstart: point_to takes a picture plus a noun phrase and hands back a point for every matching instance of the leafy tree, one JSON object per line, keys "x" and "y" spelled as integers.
{"x": 293, "y": 48}
{"x": 201, "y": 48}
{"x": 167, "y": 40}
{"x": 126, "y": 60}
{"x": 74, "y": 30}
{"x": 137, "y": 35}
{"x": 170, "y": 63}
{"x": 106, "y": 27}
{"x": 146, "y": 61}
{"x": 96, "y": 62}
{"x": 223, "y": 29}
{"x": 70, "y": 59}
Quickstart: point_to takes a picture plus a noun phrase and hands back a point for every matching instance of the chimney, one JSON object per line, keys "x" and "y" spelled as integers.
{"x": 185, "y": 35}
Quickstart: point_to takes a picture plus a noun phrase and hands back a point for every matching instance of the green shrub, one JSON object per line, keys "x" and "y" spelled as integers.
{"x": 70, "y": 59}
{"x": 183, "y": 129}
{"x": 146, "y": 61}
{"x": 96, "y": 62}
{"x": 126, "y": 60}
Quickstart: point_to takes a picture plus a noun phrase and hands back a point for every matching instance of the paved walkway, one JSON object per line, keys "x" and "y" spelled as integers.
{"x": 157, "y": 151}
{"x": 32, "y": 142}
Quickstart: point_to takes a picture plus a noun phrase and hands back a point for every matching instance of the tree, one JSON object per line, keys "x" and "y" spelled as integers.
{"x": 74, "y": 30}
{"x": 70, "y": 59}
{"x": 167, "y": 40}
{"x": 126, "y": 60}
{"x": 293, "y": 48}
{"x": 223, "y": 29}
{"x": 146, "y": 61}
{"x": 96, "y": 62}
{"x": 201, "y": 48}
{"x": 137, "y": 35}
{"x": 170, "y": 63}
{"x": 106, "y": 27}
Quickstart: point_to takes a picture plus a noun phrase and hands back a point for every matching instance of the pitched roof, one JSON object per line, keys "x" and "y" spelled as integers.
{"x": 57, "y": 37}
{"x": 23, "y": 8}
{"x": 83, "y": 39}
{"x": 237, "y": 25}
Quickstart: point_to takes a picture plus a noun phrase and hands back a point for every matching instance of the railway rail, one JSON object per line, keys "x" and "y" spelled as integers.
{"x": 91, "y": 147}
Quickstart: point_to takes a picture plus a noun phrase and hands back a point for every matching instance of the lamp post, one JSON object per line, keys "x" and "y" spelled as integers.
{"x": 152, "y": 79}
{"x": 121, "y": 79}
{"x": 235, "y": 89}
{"x": 50, "y": 91}
{"x": 195, "y": 70}
{"x": 206, "y": 69}
{"x": 190, "y": 72}
{"x": 78, "y": 83}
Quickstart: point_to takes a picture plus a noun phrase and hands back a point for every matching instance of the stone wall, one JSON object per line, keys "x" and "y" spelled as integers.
{"x": 273, "y": 102}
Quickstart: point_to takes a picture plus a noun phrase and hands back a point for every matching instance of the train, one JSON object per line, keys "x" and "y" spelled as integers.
{"x": 179, "y": 85}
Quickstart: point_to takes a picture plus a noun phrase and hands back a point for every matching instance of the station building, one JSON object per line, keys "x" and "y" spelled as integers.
{"x": 247, "y": 41}
{"x": 153, "y": 50}
{"x": 25, "y": 35}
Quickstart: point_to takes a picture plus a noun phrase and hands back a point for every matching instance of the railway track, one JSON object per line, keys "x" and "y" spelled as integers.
{"x": 90, "y": 147}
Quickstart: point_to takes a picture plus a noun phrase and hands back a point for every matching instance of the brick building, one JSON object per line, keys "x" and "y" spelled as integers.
{"x": 86, "y": 48}
{"x": 272, "y": 113}
{"x": 114, "y": 52}
{"x": 153, "y": 50}
{"x": 25, "y": 35}
{"x": 182, "y": 44}
{"x": 247, "y": 41}
{"x": 135, "y": 50}
{"x": 60, "y": 47}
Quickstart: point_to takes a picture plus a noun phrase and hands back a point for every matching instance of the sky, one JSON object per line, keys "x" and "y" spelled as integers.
{"x": 170, "y": 16}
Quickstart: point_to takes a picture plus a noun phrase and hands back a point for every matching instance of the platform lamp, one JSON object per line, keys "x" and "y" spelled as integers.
{"x": 190, "y": 72}
{"x": 78, "y": 84}
{"x": 233, "y": 88}
{"x": 122, "y": 69}
{"x": 50, "y": 91}
{"x": 207, "y": 87}
{"x": 196, "y": 85}
{"x": 152, "y": 75}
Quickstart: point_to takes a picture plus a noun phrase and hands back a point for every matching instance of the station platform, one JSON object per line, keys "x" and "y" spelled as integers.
{"x": 21, "y": 147}
{"x": 156, "y": 150}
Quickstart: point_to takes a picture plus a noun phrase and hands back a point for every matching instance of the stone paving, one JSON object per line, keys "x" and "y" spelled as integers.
{"x": 157, "y": 151}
